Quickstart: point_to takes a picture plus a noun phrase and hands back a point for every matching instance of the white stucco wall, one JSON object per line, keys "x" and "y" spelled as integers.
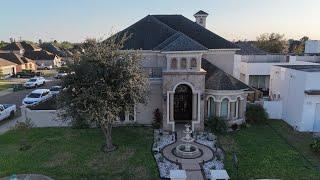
{"x": 224, "y": 59}
{"x": 298, "y": 108}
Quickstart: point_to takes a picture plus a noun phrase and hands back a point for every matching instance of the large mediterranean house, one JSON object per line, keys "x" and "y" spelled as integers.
{"x": 189, "y": 69}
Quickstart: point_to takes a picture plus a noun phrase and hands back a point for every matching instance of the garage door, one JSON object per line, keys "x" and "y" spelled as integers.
{"x": 316, "y": 126}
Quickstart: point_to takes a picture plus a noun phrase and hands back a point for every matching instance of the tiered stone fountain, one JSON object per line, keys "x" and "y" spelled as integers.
{"x": 186, "y": 149}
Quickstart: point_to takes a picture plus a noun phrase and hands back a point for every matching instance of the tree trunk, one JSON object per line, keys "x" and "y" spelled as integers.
{"x": 107, "y": 131}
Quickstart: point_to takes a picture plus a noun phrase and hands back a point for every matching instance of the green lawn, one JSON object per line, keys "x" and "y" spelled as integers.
{"x": 265, "y": 153}
{"x": 64, "y": 153}
{"x": 4, "y": 86}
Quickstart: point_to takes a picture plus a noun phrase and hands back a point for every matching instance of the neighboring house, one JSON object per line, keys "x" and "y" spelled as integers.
{"x": 66, "y": 56}
{"x": 20, "y": 47}
{"x": 33, "y": 52}
{"x": 253, "y": 66}
{"x": 44, "y": 58}
{"x": 21, "y": 62}
{"x": 7, "y": 68}
{"x": 190, "y": 71}
{"x": 295, "y": 94}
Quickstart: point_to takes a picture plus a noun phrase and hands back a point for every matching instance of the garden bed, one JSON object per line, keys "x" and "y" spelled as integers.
{"x": 160, "y": 141}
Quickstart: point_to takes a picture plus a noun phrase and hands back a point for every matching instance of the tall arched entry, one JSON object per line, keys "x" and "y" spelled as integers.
{"x": 182, "y": 104}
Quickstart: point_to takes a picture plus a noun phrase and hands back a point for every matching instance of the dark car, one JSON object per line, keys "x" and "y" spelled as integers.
{"x": 27, "y": 74}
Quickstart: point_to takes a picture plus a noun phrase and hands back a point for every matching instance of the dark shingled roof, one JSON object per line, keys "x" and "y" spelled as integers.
{"x": 14, "y": 46}
{"x": 39, "y": 55}
{"x": 249, "y": 49}
{"x": 17, "y": 46}
{"x": 53, "y": 49}
{"x": 216, "y": 79}
{"x": 151, "y": 31}
{"x": 201, "y": 13}
{"x": 180, "y": 42}
{"x": 15, "y": 58}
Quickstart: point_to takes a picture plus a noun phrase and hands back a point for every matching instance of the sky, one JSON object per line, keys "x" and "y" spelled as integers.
{"x": 76, "y": 20}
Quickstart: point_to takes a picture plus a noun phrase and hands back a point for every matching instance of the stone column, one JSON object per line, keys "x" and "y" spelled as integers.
{"x": 241, "y": 109}
{"x": 194, "y": 106}
{"x": 171, "y": 108}
{"x": 218, "y": 104}
{"x": 232, "y": 110}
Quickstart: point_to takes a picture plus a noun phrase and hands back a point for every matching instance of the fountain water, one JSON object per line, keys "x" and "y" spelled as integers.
{"x": 187, "y": 150}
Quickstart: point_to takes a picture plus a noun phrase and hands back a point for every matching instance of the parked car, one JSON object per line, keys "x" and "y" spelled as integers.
{"x": 44, "y": 67}
{"x": 7, "y": 111}
{"x": 35, "y": 82}
{"x": 54, "y": 90}
{"x": 36, "y": 96}
{"x": 60, "y": 75}
{"x": 26, "y": 74}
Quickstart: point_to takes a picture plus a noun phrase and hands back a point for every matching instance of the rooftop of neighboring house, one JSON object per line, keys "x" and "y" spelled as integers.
{"x": 39, "y": 55}
{"x": 23, "y": 45}
{"x": 247, "y": 48}
{"x": 169, "y": 33}
{"x": 53, "y": 49}
{"x": 4, "y": 62}
{"x": 305, "y": 68}
{"x": 15, "y": 58}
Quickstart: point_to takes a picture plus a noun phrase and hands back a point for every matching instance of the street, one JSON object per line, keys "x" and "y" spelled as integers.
{"x": 16, "y": 97}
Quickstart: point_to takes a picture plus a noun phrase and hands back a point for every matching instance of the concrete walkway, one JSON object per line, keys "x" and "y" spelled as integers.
{"x": 192, "y": 166}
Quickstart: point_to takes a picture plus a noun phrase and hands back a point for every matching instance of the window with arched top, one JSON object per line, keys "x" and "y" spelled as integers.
{"x": 224, "y": 108}
{"x": 193, "y": 63}
{"x": 183, "y": 63}
{"x": 174, "y": 63}
{"x": 211, "y": 107}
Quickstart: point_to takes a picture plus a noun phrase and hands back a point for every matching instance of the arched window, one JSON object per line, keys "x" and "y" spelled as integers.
{"x": 174, "y": 63}
{"x": 224, "y": 108}
{"x": 183, "y": 63}
{"x": 211, "y": 107}
{"x": 193, "y": 63}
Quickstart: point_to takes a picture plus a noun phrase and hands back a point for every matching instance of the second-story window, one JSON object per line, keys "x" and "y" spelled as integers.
{"x": 183, "y": 63}
{"x": 193, "y": 63}
{"x": 174, "y": 63}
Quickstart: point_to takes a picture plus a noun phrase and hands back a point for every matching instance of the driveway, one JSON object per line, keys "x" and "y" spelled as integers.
{"x": 16, "y": 97}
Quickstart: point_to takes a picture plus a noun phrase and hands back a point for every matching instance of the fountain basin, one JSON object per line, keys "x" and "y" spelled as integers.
{"x": 187, "y": 151}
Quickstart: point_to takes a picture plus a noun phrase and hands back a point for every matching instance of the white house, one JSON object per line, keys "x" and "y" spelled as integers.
{"x": 295, "y": 93}
{"x": 253, "y": 66}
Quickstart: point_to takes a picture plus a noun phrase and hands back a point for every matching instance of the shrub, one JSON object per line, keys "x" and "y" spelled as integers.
{"x": 315, "y": 145}
{"x": 156, "y": 119}
{"x": 234, "y": 127}
{"x": 256, "y": 114}
{"x": 216, "y": 125}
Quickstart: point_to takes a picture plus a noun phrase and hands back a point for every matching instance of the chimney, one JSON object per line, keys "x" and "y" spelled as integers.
{"x": 201, "y": 18}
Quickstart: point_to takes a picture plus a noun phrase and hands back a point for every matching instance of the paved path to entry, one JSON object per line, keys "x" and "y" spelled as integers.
{"x": 192, "y": 166}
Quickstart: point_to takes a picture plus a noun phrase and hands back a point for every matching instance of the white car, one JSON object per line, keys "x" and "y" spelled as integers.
{"x": 35, "y": 82}
{"x": 54, "y": 90}
{"x": 7, "y": 111}
{"x": 36, "y": 96}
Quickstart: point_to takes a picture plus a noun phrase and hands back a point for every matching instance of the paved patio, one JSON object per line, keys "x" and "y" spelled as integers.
{"x": 192, "y": 166}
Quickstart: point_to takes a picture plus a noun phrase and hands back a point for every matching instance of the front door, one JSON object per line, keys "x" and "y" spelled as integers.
{"x": 183, "y": 103}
